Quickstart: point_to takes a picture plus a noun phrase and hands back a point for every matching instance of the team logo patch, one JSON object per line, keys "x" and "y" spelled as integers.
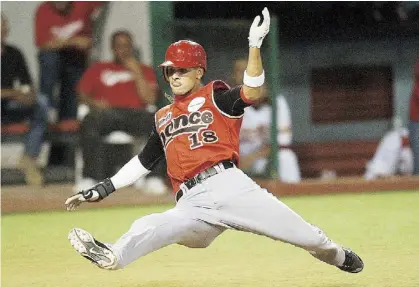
{"x": 196, "y": 104}
{"x": 164, "y": 119}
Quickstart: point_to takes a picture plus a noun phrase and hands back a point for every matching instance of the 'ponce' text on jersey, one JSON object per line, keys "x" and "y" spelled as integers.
{"x": 186, "y": 124}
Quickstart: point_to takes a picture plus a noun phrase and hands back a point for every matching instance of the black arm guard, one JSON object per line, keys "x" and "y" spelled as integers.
{"x": 104, "y": 188}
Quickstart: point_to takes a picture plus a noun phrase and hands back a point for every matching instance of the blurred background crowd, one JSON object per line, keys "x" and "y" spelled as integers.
{"x": 80, "y": 85}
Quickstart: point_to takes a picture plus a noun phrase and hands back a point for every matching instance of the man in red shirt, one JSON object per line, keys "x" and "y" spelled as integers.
{"x": 63, "y": 34}
{"x": 414, "y": 120}
{"x": 121, "y": 95}
{"x": 198, "y": 134}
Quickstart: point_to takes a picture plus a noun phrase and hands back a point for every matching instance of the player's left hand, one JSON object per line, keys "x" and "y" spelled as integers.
{"x": 257, "y": 33}
{"x": 94, "y": 194}
{"x": 85, "y": 195}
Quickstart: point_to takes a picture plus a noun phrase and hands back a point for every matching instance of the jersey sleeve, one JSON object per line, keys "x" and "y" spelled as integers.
{"x": 42, "y": 26}
{"x": 153, "y": 151}
{"x": 231, "y": 101}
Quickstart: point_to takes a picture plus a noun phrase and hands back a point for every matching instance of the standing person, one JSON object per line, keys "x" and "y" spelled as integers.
{"x": 120, "y": 95}
{"x": 20, "y": 102}
{"x": 199, "y": 136}
{"x": 414, "y": 120}
{"x": 63, "y": 35}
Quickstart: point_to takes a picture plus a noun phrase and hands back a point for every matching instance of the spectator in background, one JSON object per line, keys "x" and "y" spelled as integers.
{"x": 64, "y": 38}
{"x": 19, "y": 102}
{"x": 121, "y": 96}
{"x": 63, "y": 34}
{"x": 255, "y": 139}
{"x": 414, "y": 120}
{"x": 393, "y": 155}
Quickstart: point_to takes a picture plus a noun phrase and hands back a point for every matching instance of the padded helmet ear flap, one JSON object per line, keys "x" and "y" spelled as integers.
{"x": 165, "y": 74}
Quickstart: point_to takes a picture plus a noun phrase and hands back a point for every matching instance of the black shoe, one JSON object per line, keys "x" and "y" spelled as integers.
{"x": 353, "y": 263}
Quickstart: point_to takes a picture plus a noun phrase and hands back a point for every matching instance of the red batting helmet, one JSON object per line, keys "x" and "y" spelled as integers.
{"x": 185, "y": 54}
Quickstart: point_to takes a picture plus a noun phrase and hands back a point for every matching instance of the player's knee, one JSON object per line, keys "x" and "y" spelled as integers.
{"x": 196, "y": 243}
{"x": 201, "y": 245}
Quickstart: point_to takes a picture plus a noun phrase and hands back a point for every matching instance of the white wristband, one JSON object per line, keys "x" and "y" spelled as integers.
{"x": 254, "y": 82}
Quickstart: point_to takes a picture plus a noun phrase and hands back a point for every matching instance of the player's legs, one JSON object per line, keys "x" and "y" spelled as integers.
{"x": 238, "y": 202}
{"x": 156, "y": 231}
{"x": 146, "y": 235}
{"x": 270, "y": 217}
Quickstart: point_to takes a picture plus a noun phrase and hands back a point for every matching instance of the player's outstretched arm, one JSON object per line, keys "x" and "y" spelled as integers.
{"x": 127, "y": 175}
{"x": 139, "y": 166}
{"x": 254, "y": 75}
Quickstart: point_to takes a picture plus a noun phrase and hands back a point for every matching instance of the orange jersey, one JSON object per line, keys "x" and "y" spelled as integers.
{"x": 196, "y": 134}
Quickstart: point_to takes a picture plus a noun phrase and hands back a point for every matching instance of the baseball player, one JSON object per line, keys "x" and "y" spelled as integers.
{"x": 255, "y": 141}
{"x": 199, "y": 136}
{"x": 393, "y": 156}
{"x": 255, "y": 133}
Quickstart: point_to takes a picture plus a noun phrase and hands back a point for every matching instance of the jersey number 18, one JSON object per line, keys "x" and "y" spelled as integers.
{"x": 206, "y": 137}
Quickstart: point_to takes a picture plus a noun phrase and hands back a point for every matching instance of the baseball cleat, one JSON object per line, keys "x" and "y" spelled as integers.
{"x": 353, "y": 263}
{"x": 91, "y": 249}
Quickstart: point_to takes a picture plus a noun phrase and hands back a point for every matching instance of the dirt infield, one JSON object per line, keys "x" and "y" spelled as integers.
{"x": 52, "y": 197}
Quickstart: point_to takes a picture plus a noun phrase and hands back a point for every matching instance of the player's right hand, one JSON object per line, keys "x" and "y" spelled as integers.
{"x": 93, "y": 194}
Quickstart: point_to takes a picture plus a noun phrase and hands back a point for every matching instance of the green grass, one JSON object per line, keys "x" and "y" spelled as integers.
{"x": 382, "y": 227}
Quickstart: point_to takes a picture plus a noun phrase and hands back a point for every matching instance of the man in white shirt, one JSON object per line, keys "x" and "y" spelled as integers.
{"x": 255, "y": 135}
{"x": 393, "y": 156}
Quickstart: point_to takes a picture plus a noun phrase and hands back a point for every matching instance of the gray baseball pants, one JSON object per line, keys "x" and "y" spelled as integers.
{"x": 228, "y": 200}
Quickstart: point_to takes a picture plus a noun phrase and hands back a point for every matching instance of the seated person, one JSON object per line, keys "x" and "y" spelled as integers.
{"x": 20, "y": 103}
{"x": 393, "y": 156}
{"x": 121, "y": 96}
{"x": 255, "y": 141}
